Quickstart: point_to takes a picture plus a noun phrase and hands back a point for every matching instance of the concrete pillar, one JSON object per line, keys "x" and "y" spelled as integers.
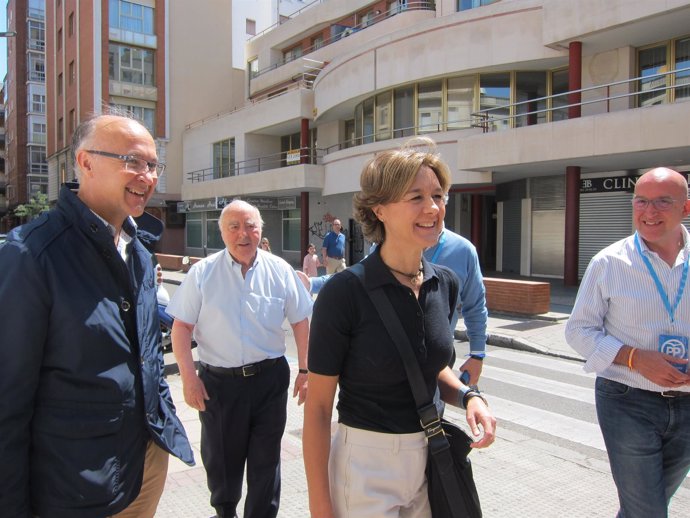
{"x": 574, "y": 78}
{"x": 572, "y": 225}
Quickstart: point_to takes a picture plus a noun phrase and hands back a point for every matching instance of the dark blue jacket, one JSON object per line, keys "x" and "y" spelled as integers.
{"x": 81, "y": 385}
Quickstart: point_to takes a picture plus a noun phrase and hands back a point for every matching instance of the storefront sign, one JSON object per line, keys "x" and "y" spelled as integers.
{"x": 197, "y": 205}
{"x": 611, "y": 184}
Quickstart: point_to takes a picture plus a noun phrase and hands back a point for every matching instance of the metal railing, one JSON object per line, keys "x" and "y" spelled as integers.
{"x": 306, "y": 155}
{"x": 419, "y": 5}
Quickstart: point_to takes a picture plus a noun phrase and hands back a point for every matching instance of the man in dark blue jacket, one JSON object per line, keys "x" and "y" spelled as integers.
{"x": 86, "y": 418}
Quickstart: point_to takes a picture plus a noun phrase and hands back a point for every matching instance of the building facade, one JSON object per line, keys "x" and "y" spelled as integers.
{"x": 26, "y": 169}
{"x": 546, "y": 111}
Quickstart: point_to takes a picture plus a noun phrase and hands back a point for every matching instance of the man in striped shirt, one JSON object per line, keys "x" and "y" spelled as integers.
{"x": 632, "y": 324}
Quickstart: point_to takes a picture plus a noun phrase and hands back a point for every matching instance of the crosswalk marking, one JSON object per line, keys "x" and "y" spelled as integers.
{"x": 539, "y": 360}
{"x": 556, "y": 388}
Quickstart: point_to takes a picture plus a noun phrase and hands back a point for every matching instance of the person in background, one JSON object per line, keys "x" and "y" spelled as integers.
{"x": 333, "y": 251}
{"x": 631, "y": 322}
{"x": 87, "y": 421}
{"x": 234, "y": 303}
{"x": 459, "y": 254}
{"x": 266, "y": 245}
{"x": 311, "y": 262}
{"x": 375, "y": 464}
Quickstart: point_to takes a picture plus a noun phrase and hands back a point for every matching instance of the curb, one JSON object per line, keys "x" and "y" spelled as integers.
{"x": 511, "y": 342}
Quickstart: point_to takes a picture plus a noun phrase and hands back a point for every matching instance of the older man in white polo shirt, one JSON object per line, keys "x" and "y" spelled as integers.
{"x": 234, "y": 303}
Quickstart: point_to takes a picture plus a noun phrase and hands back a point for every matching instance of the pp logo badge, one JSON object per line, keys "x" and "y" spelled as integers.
{"x": 676, "y": 346}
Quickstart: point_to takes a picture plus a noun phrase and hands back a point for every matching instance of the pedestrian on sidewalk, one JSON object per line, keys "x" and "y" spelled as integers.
{"x": 377, "y": 459}
{"x": 631, "y": 321}
{"x": 311, "y": 263}
{"x": 459, "y": 254}
{"x": 234, "y": 303}
{"x": 333, "y": 250}
{"x": 87, "y": 420}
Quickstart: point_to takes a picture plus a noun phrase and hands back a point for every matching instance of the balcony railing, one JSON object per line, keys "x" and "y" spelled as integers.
{"x": 255, "y": 165}
{"x": 419, "y": 5}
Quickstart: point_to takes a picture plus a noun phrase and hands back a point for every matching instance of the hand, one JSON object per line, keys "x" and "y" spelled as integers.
{"x": 478, "y": 414}
{"x": 658, "y": 368}
{"x": 300, "y": 388}
{"x": 305, "y": 279}
{"x": 474, "y": 367}
{"x": 195, "y": 393}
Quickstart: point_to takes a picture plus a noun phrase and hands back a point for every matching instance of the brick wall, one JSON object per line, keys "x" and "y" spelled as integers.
{"x": 514, "y": 296}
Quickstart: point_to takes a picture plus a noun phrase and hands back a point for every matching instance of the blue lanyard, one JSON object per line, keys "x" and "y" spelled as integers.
{"x": 441, "y": 240}
{"x": 659, "y": 287}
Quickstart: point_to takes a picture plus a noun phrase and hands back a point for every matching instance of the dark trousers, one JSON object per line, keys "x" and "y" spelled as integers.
{"x": 243, "y": 423}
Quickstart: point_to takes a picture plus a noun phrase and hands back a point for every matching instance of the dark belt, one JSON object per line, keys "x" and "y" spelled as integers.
{"x": 674, "y": 393}
{"x": 336, "y": 258}
{"x": 244, "y": 372}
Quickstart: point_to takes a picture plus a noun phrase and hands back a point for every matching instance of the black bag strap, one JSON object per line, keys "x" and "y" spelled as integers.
{"x": 428, "y": 414}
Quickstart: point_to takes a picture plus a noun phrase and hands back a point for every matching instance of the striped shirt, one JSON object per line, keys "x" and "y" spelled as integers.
{"x": 618, "y": 304}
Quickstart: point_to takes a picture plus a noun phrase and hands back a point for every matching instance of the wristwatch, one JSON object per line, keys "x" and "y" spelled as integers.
{"x": 479, "y": 357}
{"x": 473, "y": 391}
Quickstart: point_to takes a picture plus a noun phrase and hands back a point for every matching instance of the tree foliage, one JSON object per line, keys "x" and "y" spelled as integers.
{"x": 36, "y": 205}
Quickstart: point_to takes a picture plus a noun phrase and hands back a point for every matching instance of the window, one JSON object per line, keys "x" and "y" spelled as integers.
{"x": 193, "y": 230}
{"x": 60, "y": 131}
{"x": 253, "y": 67}
{"x": 682, "y": 60}
{"x": 72, "y": 75}
{"x": 494, "y": 98}
{"x": 72, "y": 121}
{"x": 250, "y": 27}
{"x": 652, "y": 62}
{"x": 530, "y": 86}
{"x": 38, "y": 133}
{"x": 291, "y": 230}
{"x": 59, "y": 84}
{"x": 130, "y": 65}
{"x": 129, "y": 16}
{"x": 403, "y": 110}
{"x": 349, "y": 133}
{"x": 70, "y": 24}
{"x": 397, "y": 6}
{"x": 37, "y": 160}
{"x": 58, "y": 43}
{"x": 317, "y": 42}
{"x": 383, "y": 116}
{"x": 37, "y": 68}
{"x": 460, "y": 99}
{"x": 429, "y": 107}
{"x": 147, "y": 116}
{"x": 559, "y": 85}
{"x": 463, "y": 5}
{"x": 368, "y": 121}
{"x": 224, "y": 158}
{"x": 38, "y": 103}
{"x": 292, "y": 54}
{"x": 213, "y": 237}
{"x": 37, "y": 35}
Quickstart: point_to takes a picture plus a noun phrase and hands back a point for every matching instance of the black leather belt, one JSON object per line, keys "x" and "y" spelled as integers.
{"x": 674, "y": 393}
{"x": 244, "y": 372}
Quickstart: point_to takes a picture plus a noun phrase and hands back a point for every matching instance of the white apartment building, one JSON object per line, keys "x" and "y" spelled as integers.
{"x": 545, "y": 110}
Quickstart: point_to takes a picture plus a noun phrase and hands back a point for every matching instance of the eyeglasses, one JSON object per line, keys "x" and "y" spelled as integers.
{"x": 134, "y": 163}
{"x": 660, "y": 204}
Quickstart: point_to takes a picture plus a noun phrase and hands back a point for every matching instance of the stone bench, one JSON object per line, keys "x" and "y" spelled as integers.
{"x": 519, "y": 297}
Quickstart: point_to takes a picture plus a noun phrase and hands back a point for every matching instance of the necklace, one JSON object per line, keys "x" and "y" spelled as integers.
{"x": 412, "y": 276}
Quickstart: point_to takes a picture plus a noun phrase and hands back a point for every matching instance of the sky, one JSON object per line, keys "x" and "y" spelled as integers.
{"x": 3, "y": 44}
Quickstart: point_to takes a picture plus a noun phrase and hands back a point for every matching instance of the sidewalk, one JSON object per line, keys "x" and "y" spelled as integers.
{"x": 520, "y": 475}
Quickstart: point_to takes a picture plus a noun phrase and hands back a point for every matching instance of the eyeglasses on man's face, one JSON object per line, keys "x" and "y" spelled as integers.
{"x": 661, "y": 204}
{"x": 133, "y": 163}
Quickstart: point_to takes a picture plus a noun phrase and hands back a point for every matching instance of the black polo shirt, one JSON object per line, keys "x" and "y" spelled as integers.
{"x": 348, "y": 339}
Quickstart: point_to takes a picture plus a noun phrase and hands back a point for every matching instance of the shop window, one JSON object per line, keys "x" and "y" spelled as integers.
{"x": 193, "y": 230}
{"x": 291, "y": 230}
{"x": 214, "y": 240}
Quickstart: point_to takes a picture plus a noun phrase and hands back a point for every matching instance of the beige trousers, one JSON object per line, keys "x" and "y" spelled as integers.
{"x": 378, "y": 475}
{"x": 335, "y": 265}
{"x": 155, "y": 471}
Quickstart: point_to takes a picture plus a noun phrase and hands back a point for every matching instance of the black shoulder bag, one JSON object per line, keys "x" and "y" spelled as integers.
{"x": 451, "y": 487}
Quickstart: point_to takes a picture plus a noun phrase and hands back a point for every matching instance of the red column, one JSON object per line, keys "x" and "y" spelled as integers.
{"x": 572, "y": 225}
{"x": 304, "y": 223}
{"x": 476, "y": 228}
{"x": 304, "y": 144}
{"x": 574, "y": 78}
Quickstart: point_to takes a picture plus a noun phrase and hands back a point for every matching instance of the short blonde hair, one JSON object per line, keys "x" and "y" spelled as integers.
{"x": 388, "y": 176}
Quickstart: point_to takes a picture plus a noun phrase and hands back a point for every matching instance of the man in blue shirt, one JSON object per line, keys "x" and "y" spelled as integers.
{"x": 459, "y": 254}
{"x": 333, "y": 250}
{"x": 234, "y": 302}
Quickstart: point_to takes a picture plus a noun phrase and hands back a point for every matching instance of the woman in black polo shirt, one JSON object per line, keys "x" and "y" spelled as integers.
{"x": 378, "y": 455}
